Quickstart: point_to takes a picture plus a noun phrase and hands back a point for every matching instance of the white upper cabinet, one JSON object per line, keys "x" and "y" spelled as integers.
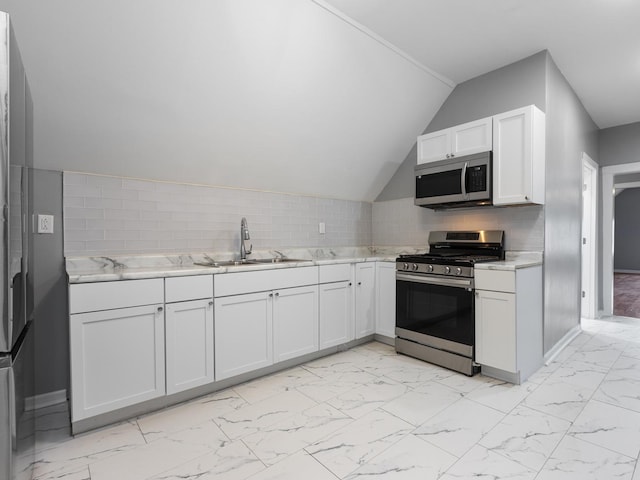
{"x": 465, "y": 139}
{"x": 519, "y": 157}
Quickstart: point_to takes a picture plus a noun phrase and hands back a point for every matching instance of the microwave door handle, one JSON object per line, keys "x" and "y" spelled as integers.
{"x": 463, "y": 179}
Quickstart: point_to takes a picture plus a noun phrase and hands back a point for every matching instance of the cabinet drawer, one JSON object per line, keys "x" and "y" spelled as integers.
{"x": 178, "y": 289}
{"x": 495, "y": 280}
{"x": 334, "y": 273}
{"x": 263, "y": 280}
{"x": 90, "y": 297}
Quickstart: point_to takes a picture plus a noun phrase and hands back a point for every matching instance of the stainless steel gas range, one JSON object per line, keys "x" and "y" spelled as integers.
{"x": 435, "y": 301}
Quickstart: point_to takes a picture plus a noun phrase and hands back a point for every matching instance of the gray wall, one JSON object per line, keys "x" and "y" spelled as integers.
{"x": 516, "y": 85}
{"x": 627, "y": 230}
{"x": 619, "y": 145}
{"x": 570, "y": 131}
{"x": 50, "y": 281}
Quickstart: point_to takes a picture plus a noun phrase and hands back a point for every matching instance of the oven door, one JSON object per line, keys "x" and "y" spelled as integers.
{"x": 436, "y": 311}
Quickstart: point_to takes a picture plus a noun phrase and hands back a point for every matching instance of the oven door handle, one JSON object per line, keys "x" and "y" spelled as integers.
{"x": 447, "y": 282}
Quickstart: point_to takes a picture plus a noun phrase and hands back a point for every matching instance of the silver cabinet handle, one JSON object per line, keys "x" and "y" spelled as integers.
{"x": 160, "y": 309}
{"x": 211, "y": 303}
{"x": 271, "y": 295}
{"x": 277, "y": 294}
{"x": 463, "y": 178}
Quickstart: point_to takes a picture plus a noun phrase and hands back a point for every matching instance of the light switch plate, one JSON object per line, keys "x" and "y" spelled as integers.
{"x": 321, "y": 228}
{"x": 45, "y": 223}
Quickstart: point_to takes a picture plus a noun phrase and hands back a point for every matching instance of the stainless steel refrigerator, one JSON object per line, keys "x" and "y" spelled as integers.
{"x": 17, "y": 436}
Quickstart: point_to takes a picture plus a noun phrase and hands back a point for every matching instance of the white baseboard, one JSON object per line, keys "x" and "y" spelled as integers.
{"x": 637, "y": 272}
{"x": 564, "y": 341}
{"x": 45, "y": 400}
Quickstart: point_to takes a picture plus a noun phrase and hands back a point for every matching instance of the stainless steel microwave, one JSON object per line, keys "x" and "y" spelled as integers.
{"x": 455, "y": 182}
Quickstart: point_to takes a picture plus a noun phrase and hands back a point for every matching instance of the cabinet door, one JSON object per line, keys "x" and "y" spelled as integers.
{"x": 189, "y": 344}
{"x": 496, "y": 329}
{"x": 518, "y": 157}
{"x": 295, "y": 322}
{"x": 434, "y": 146}
{"x": 243, "y": 334}
{"x": 365, "y": 313}
{"x": 472, "y": 137}
{"x": 117, "y": 359}
{"x": 336, "y": 319}
{"x": 386, "y": 299}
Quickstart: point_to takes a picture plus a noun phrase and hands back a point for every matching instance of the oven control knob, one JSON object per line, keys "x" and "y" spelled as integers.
{"x": 415, "y": 267}
{"x": 447, "y": 269}
{"x": 405, "y": 266}
{"x": 430, "y": 268}
{"x": 458, "y": 271}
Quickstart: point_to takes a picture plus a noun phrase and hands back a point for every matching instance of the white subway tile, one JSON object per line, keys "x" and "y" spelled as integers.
{"x": 81, "y": 212}
{"x": 84, "y": 235}
{"x": 139, "y": 185}
{"x": 104, "y": 181}
{"x": 75, "y": 190}
{"x": 121, "y": 214}
{"x": 90, "y": 202}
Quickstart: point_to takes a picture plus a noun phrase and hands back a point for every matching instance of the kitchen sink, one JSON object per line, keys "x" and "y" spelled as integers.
{"x": 276, "y": 260}
{"x": 224, "y": 263}
{"x": 257, "y": 261}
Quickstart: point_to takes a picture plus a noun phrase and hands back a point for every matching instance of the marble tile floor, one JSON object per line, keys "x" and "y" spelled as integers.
{"x": 369, "y": 413}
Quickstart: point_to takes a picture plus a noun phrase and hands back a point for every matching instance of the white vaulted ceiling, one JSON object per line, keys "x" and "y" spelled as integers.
{"x": 317, "y": 97}
{"x": 595, "y": 43}
{"x": 276, "y": 95}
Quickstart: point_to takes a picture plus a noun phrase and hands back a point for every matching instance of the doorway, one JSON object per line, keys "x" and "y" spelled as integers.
{"x": 608, "y": 193}
{"x": 589, "y": 237}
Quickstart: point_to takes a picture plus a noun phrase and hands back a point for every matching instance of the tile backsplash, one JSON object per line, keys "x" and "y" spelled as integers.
{"x": 106, "y": 215}
{"x": 401, "y": 223}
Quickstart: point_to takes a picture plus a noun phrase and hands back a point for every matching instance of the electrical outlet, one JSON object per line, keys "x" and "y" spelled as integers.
{"x": 45, "y": 223}
{"x": 321, "y": 228}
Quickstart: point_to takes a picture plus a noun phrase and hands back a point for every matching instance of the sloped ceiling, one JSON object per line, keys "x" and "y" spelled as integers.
{"x": 595, "y": 43}
{"x": 281, "y": 95}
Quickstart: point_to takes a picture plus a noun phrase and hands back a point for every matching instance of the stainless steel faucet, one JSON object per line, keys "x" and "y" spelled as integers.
{"x": 244, "y": 235}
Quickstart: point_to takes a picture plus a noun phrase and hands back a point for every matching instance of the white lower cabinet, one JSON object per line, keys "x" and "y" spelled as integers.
{"x": 386, "y": 299}
{"x": 244, "y": 333}
{"x": 335, "y": 298}
{"x": 189, "y": 344}
{"x": 365, "y": 300}
{"x": 295, "y": 322}
{"x": 496, "y": 329}
{"x": 335, "y": 309}
{"x": 509, "y": 322}
{"x": 254, "y": 329}
{"x": 117, "y": 359}
{"x": 189, "y": 332}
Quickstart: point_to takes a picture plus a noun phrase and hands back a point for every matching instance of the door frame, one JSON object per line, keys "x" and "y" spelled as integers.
{"x": 590, "y": 214}
{"x": 608, "y": 194}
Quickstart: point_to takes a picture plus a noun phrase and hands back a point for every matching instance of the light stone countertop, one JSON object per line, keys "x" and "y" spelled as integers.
{"x": 513, "y": 261}
{"x": 134, "y": 267}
